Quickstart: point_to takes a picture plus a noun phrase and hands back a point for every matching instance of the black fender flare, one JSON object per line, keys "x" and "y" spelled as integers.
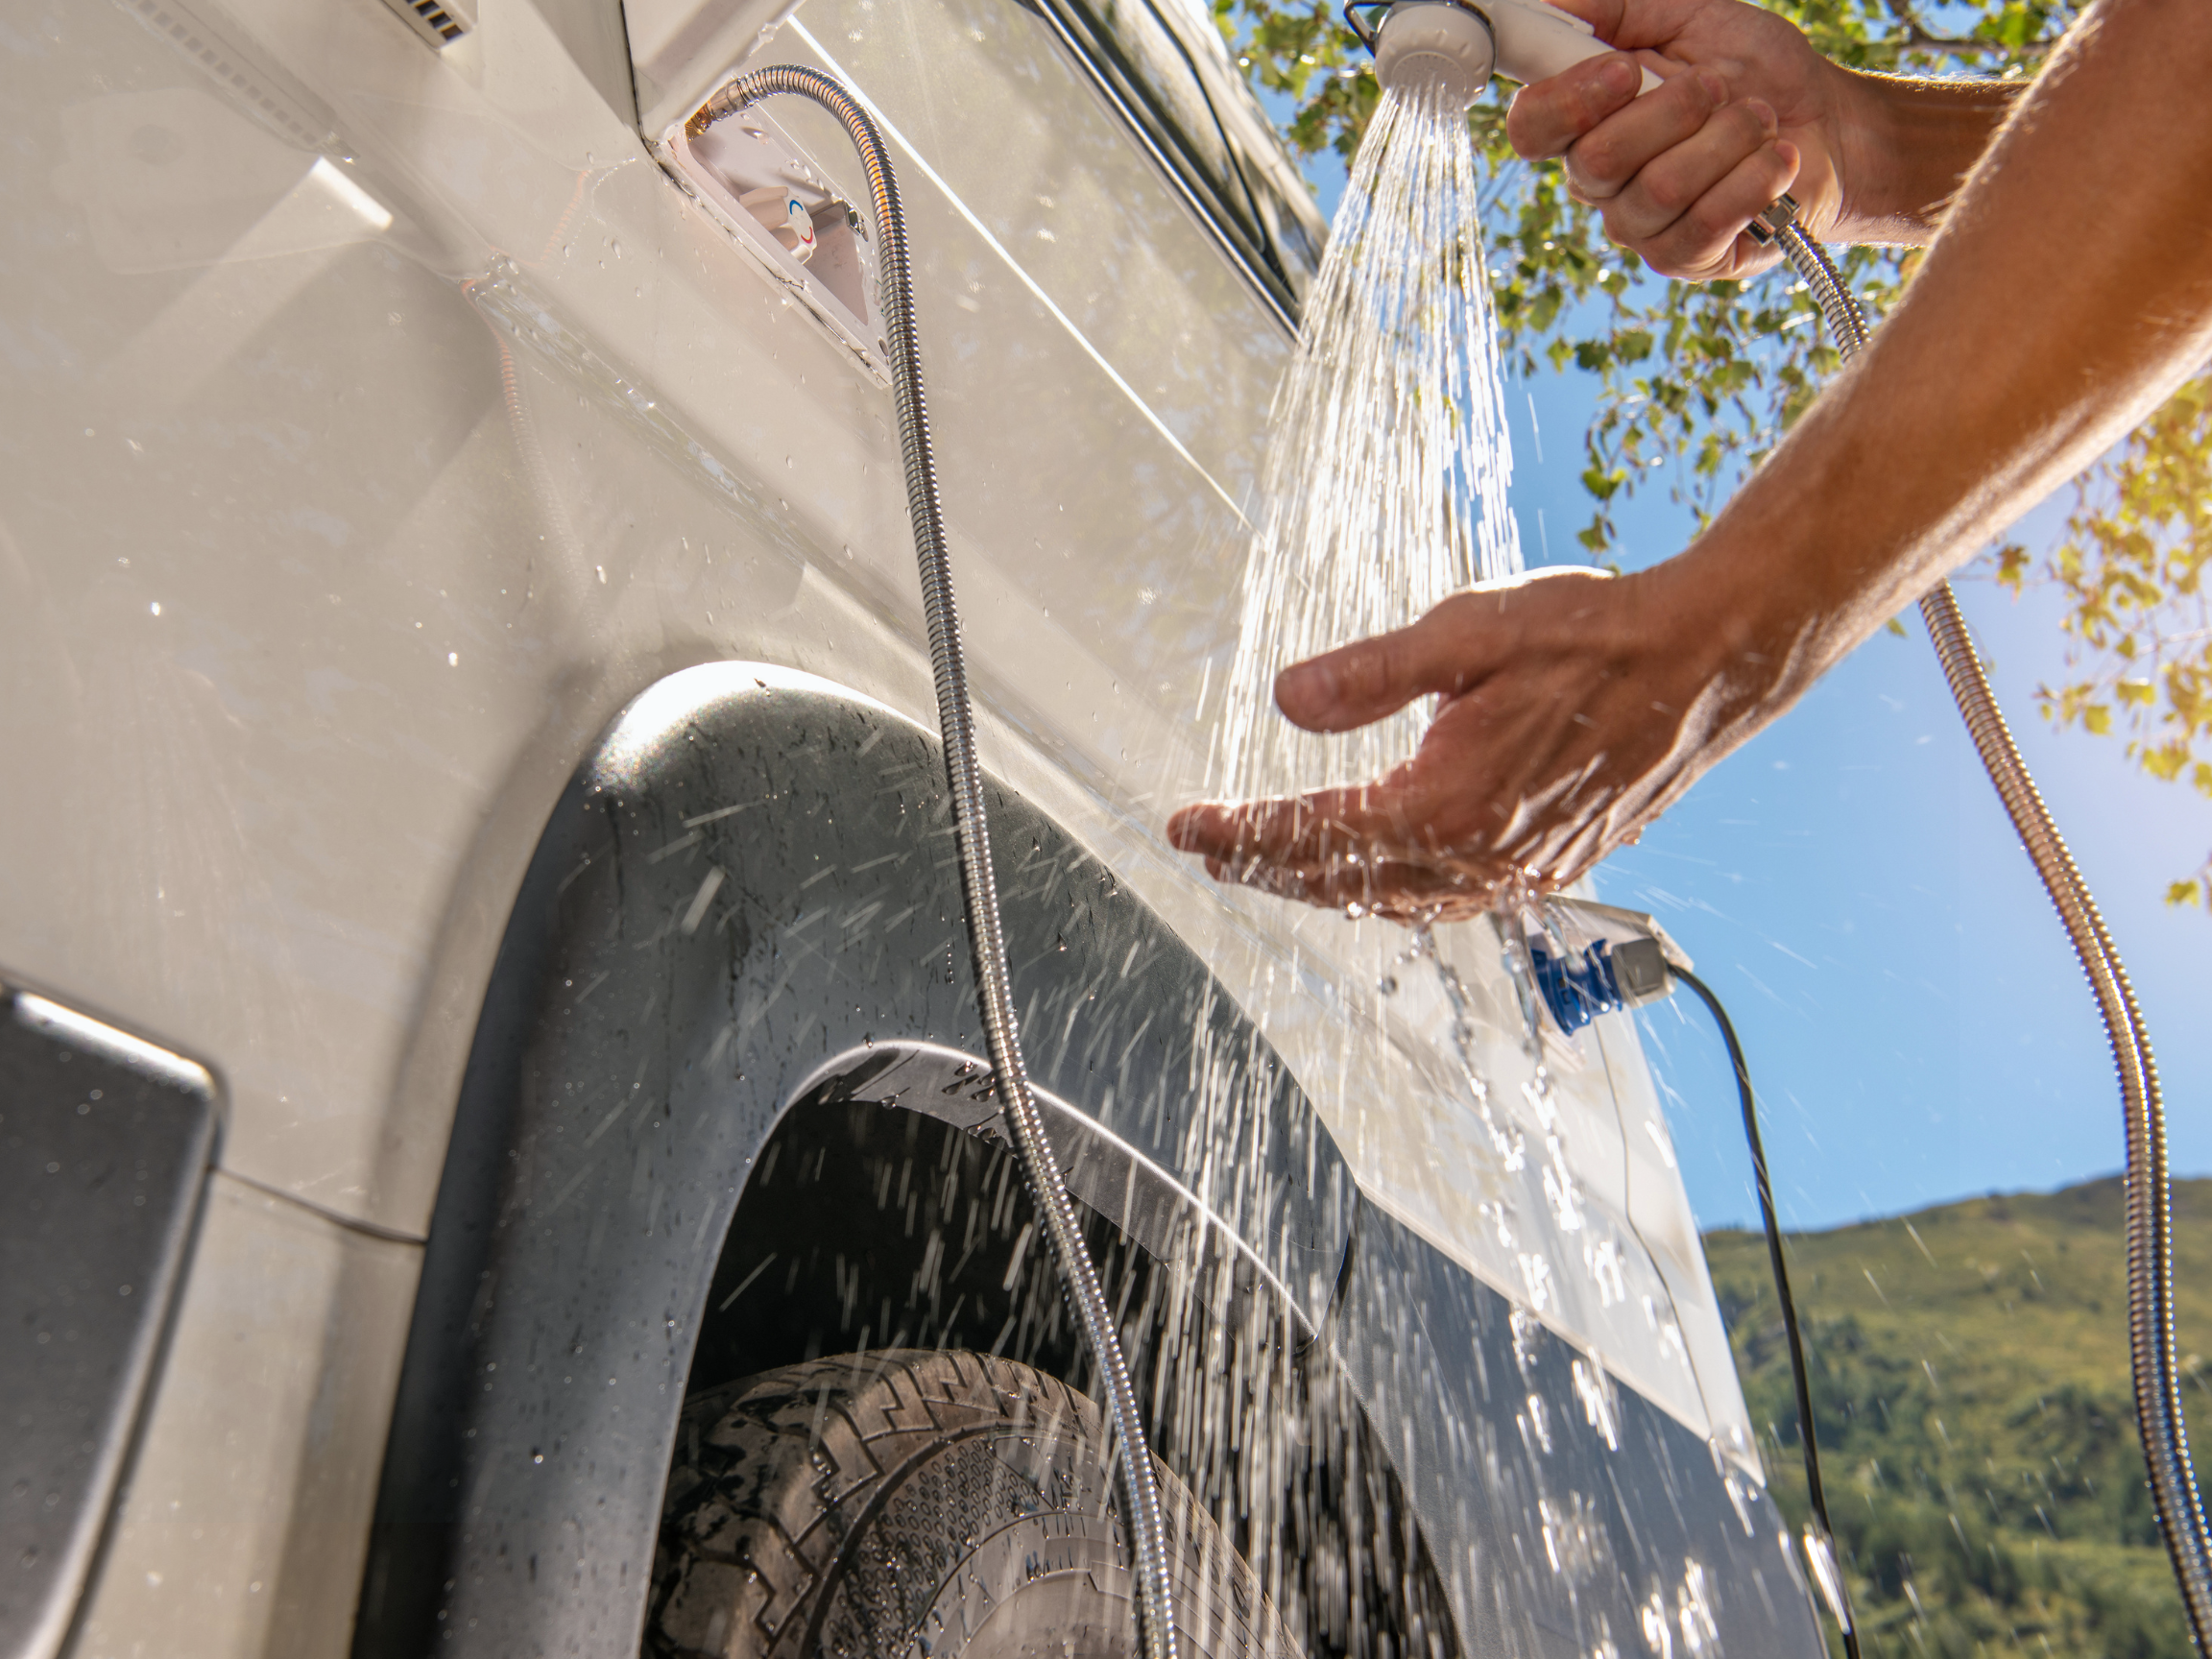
{"x": 749, "y": 890}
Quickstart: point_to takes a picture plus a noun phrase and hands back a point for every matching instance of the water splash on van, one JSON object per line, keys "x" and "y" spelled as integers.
{"x": 1383, "y": 489}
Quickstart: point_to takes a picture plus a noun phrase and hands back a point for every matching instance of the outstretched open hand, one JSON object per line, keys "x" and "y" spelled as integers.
{"x": 1573, "y": 707}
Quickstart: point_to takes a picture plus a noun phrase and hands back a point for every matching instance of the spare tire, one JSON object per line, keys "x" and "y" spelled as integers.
{"x": 946, "y": 1504}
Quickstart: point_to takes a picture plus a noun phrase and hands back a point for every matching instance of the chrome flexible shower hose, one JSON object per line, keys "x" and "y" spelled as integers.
{"x": 979, "y": 889}
{"x": 2149, "y": 1220}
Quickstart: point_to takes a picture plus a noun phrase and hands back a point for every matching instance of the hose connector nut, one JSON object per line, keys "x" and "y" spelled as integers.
{"x": 1776, "y": 217}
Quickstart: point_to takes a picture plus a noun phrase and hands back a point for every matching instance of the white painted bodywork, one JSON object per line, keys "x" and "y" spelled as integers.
{"x": 365, "y": 455}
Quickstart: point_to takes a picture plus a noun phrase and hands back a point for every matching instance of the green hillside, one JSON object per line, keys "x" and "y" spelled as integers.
{"x": 1976, "y": 1426}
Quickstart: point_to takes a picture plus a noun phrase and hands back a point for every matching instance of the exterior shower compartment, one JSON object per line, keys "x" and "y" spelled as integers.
{"x": 479, "y": 923}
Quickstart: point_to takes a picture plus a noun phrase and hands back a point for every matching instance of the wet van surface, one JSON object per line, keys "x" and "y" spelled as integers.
{"x": 477, "y": 808}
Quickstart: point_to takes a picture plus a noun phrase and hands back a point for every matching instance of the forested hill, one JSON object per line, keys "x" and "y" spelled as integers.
{"x": 1977, "y": 1425}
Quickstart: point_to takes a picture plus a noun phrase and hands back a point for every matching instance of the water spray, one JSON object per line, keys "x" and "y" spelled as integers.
{"x": 1449, "y": 49}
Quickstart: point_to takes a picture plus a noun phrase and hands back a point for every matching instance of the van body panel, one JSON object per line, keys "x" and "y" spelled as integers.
{"x": 383, "y": 422}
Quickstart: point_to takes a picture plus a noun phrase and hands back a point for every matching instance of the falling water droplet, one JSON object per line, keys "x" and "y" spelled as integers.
{"x": 1384, "y": 487}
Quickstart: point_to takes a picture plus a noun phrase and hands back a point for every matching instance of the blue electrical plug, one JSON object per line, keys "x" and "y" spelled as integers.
{"x": 1604, "y": 978}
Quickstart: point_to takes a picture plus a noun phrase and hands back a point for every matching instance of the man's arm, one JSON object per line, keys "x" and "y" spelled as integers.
{"x": 2068, "y": 292}
{"x": 1749, "y": 111}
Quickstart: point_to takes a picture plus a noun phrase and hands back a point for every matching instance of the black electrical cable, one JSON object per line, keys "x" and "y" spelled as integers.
{"x": 1807, "y": 1440}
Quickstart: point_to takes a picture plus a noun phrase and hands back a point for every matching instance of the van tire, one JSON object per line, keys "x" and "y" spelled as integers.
{"x": 900, "y": 1502}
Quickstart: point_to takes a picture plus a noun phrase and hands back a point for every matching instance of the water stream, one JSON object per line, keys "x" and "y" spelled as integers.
{"x": 1383, "y": 493}
{"x": 1383, "y": 489}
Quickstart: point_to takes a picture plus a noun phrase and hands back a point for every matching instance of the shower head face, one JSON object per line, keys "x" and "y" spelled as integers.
{"x": 1435, "y": 46}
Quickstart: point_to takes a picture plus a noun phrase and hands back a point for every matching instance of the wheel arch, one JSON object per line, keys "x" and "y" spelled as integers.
{"x": 745, "y": 902}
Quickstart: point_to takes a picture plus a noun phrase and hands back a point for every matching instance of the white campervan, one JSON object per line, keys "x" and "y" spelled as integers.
{"x": 497, "y": 1156}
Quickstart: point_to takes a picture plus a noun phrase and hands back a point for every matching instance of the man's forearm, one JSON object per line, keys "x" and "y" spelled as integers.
{"x": 2068, "y": 294}
{"x": 1915, "y": 143}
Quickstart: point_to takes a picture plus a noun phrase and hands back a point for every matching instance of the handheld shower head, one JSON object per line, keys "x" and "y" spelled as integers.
{"x": 1436, "y": 47}
{"x": 1456, "y": 45}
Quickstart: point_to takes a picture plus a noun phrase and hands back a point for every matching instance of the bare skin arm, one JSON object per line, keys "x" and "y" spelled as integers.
{"x": 2068, "y": 292}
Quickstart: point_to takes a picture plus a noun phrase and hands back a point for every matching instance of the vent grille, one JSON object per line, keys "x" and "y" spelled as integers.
{"x": 441, "y": 22}
{"x": 250, "y": 84}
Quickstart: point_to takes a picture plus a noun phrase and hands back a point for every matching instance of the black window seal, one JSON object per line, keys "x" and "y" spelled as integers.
{"x": 1250, "y": 248}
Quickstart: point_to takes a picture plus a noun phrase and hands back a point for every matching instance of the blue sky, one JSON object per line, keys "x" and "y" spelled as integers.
{"x": 1912, "y": 1013}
